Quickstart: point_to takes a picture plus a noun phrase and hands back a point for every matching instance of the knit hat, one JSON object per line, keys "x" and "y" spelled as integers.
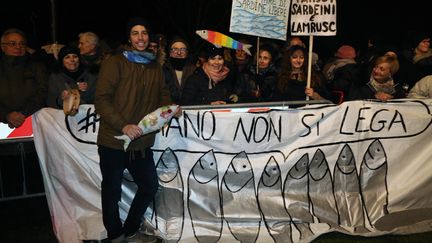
{"x": 346, "y": 52}
{"x": 136, "y": 21}
{"x": 417, "y": 38}
{"x": 213, "y": 51}
{"x": 178, "y": 39}
{"x": 64, "y": 51}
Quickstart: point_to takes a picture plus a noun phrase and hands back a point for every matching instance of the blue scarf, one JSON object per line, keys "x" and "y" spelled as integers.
{"x": 139, "y": 56}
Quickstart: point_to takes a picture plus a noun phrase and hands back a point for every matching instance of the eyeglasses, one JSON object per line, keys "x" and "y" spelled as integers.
{"x": 182, "y": 50}
{"x": 15, "y": 44}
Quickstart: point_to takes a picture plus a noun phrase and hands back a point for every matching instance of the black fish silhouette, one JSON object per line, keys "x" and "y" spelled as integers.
{"x": 296, "y": 197}
{"x": 238, "y": 191}
{"x": 347, "y": 191}
{"x": 276, "y": 219}
{"x": 373, "y": 182}
{"x": 321, "y": 190}
{"x": 169, "y": 216}
{"x": 204, "y": 199}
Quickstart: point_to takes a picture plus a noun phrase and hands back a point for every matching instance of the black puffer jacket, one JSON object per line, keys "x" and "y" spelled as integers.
{"x": 265, "y": 81}
{"x": 197, "y": 91}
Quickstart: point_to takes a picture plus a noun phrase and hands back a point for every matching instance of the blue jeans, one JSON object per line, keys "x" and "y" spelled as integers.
{"x": 142, "y": 169}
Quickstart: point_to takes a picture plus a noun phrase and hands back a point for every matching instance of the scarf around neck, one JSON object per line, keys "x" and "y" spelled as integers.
{"x": 142, "y": 57}
{"x": 387, "y": 87}
{"x": 420, "y": 56}
{"x": 215, "y": 76}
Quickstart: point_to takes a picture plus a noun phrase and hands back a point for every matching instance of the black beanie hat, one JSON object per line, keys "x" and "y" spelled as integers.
{"x": 178, "y": 39}
{"x": 136, "y": 21}
{"x": 213, "y": 51}
{"x": 418, "y": 37}
{"x": 67, "y": 50}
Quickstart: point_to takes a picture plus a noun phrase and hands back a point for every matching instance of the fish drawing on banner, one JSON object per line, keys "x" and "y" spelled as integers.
{"x": 170, "y": 190}
{"x": 238, "y": 191}
{"x": 373, "y": 182}
{"x": 296, "y": 197}
{"x": 321, "y": 195}
{"x": 276, "y": 219}
{"x": 219, "y": 40}
{"x": 204, "y": 201}
{"x": 347, "y": 191}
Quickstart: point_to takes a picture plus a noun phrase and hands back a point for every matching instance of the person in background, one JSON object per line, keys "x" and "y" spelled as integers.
{"x": 343, "y": 72}
{"x": 90, "y": 51}
{"x": 178, "y": 68}
{"x": 259, "y": 85}
{"x": 210, "y": 83}
{"x": 416, "y": 62}
{"x": 422, "y": 89}
{"x": 381, "y": 84}
{"x": 200, "y": 58}
{"x": 157, "y": 49}
{"x": 297, "y": 41}
{"x": 69, "y": 74}
{"x": 239, "y": 62}
{"x": 23, "y": 82}
{"x": 292, "y": 80}
{"x": 130, "y": 85}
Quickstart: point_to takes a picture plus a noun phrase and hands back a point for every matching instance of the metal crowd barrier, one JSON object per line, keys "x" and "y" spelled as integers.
{"x": 17, "y": 148}
{"x": 274, "y": 105}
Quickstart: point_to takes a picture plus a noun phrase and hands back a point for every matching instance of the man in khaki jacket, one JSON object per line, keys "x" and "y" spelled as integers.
{"x": 130, "y": 85}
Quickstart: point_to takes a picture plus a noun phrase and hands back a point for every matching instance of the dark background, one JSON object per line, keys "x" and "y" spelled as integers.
{"x": 390, "y": 23}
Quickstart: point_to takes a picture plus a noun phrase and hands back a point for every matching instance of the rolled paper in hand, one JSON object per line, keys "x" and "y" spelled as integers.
{"x": 152, "y": 122}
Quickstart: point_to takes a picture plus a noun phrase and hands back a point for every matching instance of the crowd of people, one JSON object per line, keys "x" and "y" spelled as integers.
{"x": 217, "y": 75}
{"x": 131, "y": 81}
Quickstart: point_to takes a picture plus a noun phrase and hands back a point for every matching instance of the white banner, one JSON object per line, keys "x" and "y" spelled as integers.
{"x": 359, "y": 168}
{"x": 265, "y": 18}
{"x": 316, "y": 18}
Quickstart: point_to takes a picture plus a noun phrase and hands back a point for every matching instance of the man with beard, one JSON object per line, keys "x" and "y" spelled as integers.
{"x": 178, "y": 68}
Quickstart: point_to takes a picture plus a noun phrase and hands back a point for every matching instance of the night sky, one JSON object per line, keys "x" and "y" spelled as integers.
{"x": 389, "y": 22}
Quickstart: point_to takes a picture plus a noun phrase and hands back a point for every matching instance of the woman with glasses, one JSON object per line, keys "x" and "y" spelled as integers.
{"x": 23, "y": 82}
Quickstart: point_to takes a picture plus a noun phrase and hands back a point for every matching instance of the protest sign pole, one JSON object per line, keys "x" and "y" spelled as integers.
{"x": 257, "y": 53}
{"x": 309, "y": 71}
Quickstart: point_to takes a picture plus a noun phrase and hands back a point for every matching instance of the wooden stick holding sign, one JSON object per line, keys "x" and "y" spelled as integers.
{"x": 309, "y": 70}
{"x": 257, "y": 53}
{"x": 312, "y": 18}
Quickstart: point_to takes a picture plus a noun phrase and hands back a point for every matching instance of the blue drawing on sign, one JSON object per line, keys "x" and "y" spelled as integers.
{"x": 243, "y": 21}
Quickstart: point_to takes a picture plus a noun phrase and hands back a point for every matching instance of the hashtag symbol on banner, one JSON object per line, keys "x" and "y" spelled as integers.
{"x": 89, "y": 120}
